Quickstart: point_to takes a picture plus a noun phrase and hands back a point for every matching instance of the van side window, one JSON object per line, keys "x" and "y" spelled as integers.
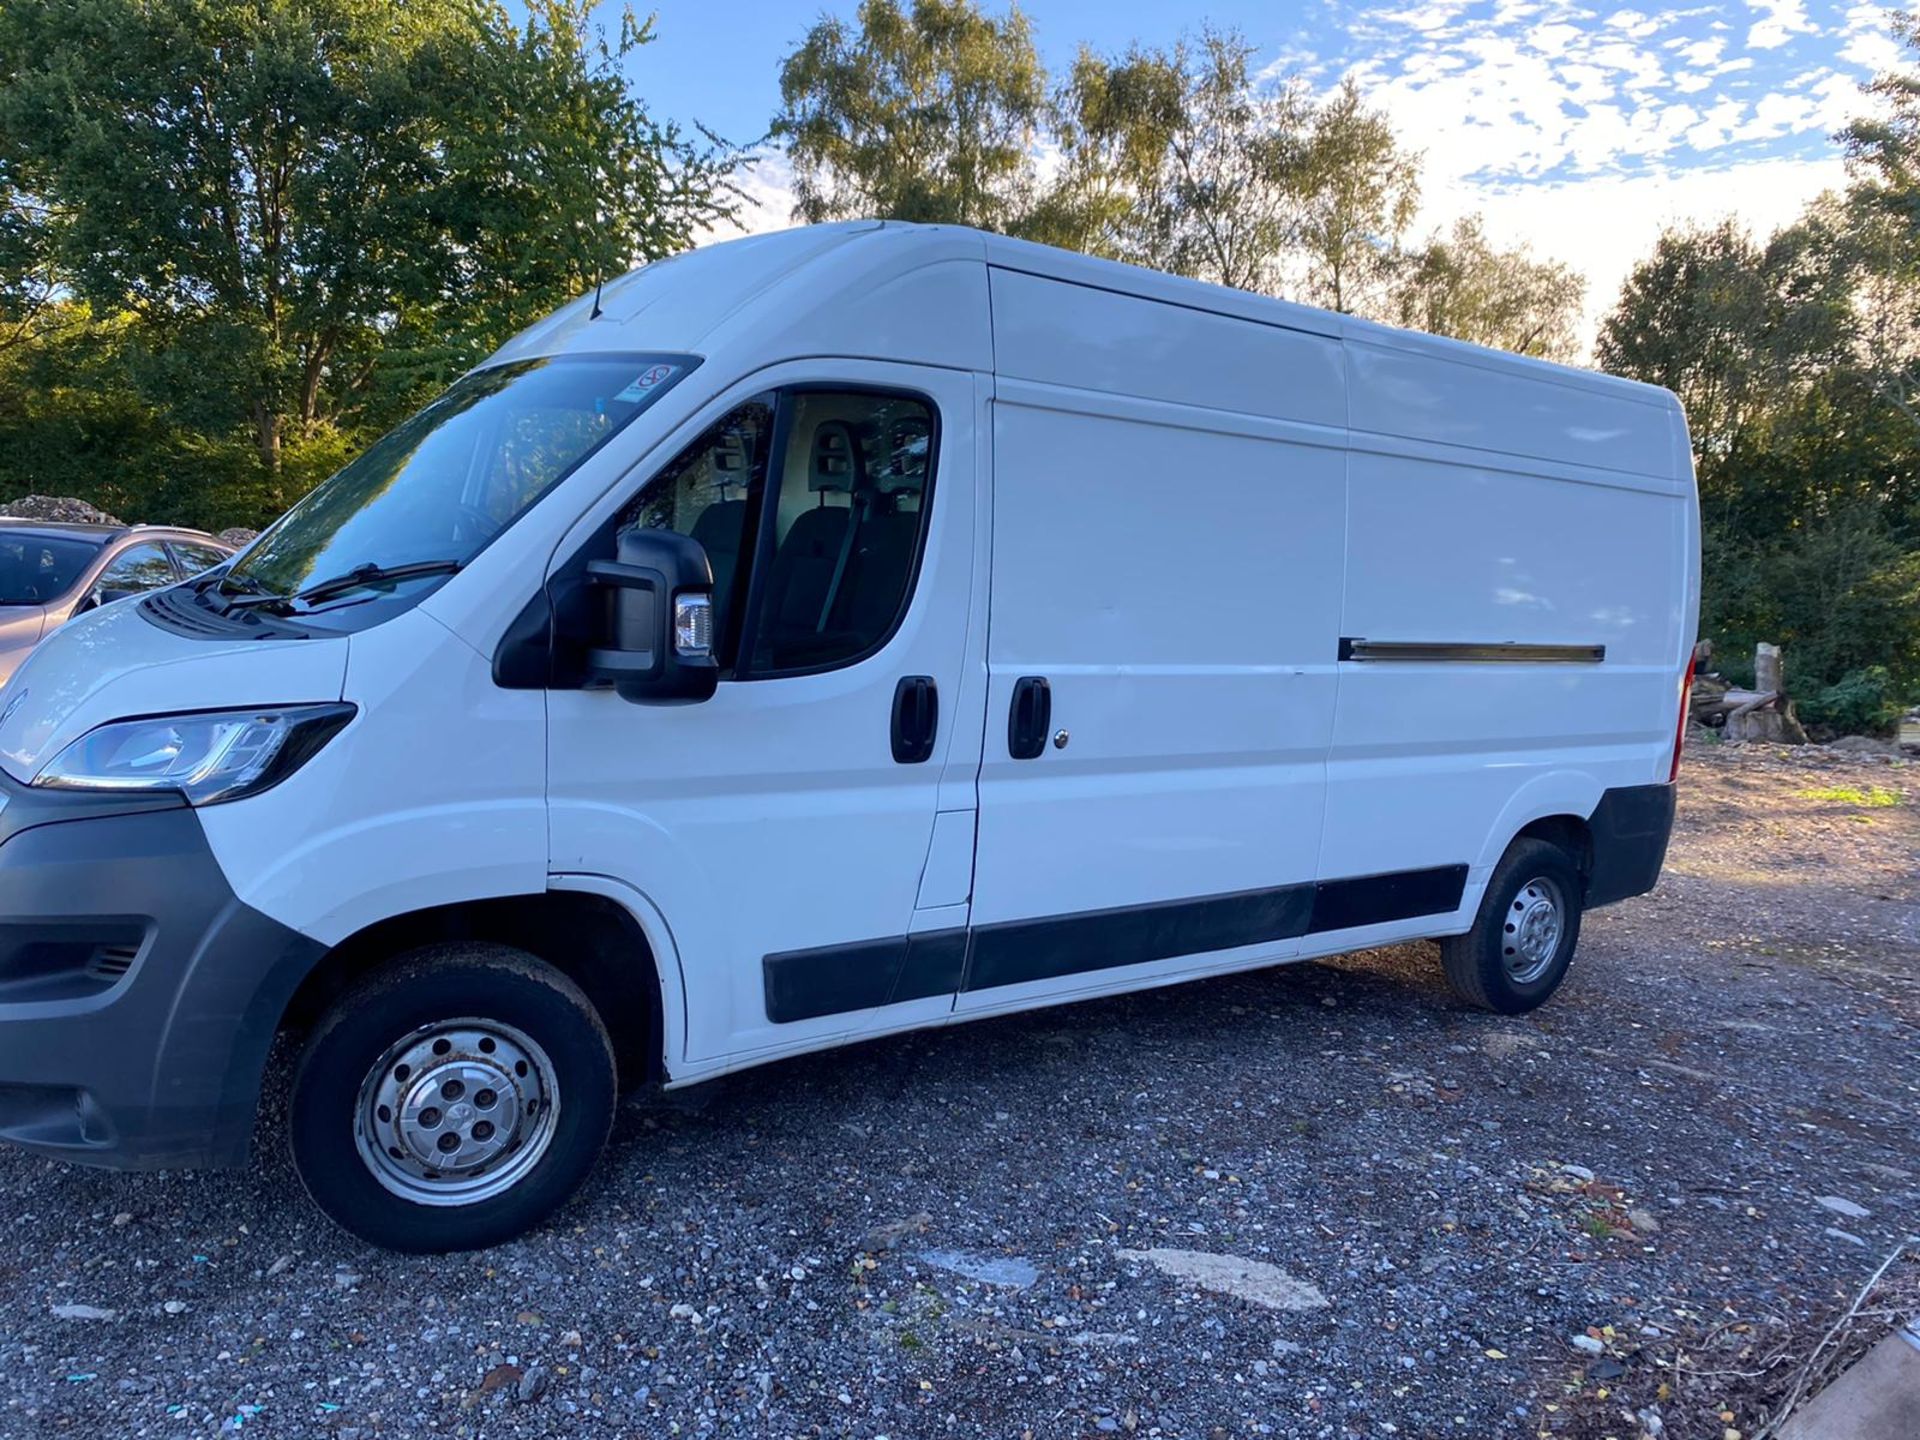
{"x": 849, "y": 511}
{"x": 703, "y": 492}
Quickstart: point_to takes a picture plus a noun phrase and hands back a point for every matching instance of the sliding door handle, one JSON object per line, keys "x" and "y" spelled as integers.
{"x": 1029, "y": 716}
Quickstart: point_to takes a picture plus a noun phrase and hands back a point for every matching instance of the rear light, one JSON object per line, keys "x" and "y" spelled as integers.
{"x": 1680, "y": 730}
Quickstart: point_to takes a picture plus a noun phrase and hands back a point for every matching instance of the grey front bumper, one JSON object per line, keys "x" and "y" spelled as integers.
{"x": 138, "y": 995}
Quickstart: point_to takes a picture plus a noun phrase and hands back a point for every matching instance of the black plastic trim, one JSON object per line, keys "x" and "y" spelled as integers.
{"x": 1631, "y": 827}
{"x": 1017, "y": 951}
{"x": 161, "y": 1064}
{"x": 1029, "y": 717}
{"x": 1376, "y": 899}
{"x": 834, "y": 979}
{"x": 1471, "y": 652}
{"x": 916, "y": 719}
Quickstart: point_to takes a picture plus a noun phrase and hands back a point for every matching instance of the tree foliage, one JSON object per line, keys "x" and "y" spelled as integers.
{"x": 1464, "y": 285}
{"x": 1796, "y": 360}
{"x": 1185, "y": 158}
{"x": 927, "y": 114}
{"x": 291, "y": 218}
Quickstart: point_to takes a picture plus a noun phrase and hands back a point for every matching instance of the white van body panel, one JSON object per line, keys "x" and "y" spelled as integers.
{"x": 62, "y": 691}
{"x": 435, "y": 793}
{"x": 1190, "y": 665}
{"x": 1469, "y": 478}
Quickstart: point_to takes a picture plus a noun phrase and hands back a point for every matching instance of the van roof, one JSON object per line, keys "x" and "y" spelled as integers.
{"x": 684, "y": 299}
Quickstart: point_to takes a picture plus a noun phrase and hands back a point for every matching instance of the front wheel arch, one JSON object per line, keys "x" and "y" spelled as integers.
{"x": 591, "y": 939}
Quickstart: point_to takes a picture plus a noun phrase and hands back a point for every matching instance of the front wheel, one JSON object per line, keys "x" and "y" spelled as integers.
{"x": 452, "y": 1101}
{"x": 1521, "y": 943}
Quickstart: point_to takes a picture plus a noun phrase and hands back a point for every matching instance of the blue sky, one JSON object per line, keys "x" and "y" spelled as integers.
{"x": 1578, "y": 129}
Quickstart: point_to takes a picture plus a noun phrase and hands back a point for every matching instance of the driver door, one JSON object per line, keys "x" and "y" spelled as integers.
{"x": 780, "y": 829}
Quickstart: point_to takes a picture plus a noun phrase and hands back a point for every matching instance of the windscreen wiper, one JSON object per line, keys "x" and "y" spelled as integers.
{"x": 357, "y": 578}
{"x": 362, "y": 576}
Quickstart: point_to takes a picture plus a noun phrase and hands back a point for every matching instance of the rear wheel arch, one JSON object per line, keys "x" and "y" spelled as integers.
{"x": 1570, "y": 833}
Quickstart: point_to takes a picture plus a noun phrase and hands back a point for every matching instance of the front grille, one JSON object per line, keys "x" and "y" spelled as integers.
{"x": 183, "y": 610}
{"x": 109, "y": 962}
{"x": 67, "y": 959}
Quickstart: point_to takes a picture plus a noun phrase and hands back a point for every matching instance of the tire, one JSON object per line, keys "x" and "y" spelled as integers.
{"x": 1505, "y": 963}
{"x": 501, "y": 1082}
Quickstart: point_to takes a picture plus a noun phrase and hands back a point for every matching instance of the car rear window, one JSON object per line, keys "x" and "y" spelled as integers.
{"x": 35, "y": 569}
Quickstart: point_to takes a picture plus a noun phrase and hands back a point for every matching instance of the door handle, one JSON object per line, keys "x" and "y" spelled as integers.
{"x": 916, "y": 718}
{"x": 1029, "y": 717}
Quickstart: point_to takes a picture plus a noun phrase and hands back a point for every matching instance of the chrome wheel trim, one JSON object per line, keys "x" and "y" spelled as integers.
{"x": 1531, "y": 931}
{"x": 456, "y": 1112}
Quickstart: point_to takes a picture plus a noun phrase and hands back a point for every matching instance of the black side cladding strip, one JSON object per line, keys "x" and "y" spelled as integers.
{"x": 1376, "y": 899}
{"x": 1021, "y": 950}
{"x": 834, "y": 979}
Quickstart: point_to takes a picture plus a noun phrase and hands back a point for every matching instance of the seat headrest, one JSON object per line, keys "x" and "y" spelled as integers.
{"x": 904, "y": 457}
{"x": 836, "y": 465}
{"x": 730, "y": 459}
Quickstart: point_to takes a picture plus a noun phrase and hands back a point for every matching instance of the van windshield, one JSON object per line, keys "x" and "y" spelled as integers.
{"x": 418, "y": 504}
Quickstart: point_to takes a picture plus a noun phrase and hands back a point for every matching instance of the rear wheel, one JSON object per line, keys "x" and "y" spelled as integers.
{"x": 453, "y": 1101}
{"x": 1523, "y": 938}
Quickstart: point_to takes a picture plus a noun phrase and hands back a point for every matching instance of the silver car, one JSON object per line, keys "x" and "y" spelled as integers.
{"x": 51, "y": 571}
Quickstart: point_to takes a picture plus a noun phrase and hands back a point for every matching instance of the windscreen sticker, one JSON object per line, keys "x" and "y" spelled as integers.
{"x": 648, "y": 380}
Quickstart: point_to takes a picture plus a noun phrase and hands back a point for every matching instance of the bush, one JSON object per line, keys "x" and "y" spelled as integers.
{"x": 1861, "y": 702}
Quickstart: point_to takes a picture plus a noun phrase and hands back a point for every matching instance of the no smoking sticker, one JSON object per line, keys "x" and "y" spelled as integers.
{"x": 649, "y": 379}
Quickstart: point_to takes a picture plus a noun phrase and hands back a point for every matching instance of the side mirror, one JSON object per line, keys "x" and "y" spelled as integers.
{"x": 98, "y": 596}
{"x": 653, "y": 622}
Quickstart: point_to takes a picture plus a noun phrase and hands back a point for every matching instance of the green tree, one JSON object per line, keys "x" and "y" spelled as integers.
{"x": 927, "y": 113}
{"x": 1186, "y": 159}
{"x": 285, "y": 193}
{"x": 1463, "y": 285}
{"x": 1691, "y": 317}
{"x": 1114, "y": 123}
{"x": 1361, "y": 191}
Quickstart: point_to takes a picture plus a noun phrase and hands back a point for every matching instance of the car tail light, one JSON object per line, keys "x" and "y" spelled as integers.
{"x": 1680, "y": 730}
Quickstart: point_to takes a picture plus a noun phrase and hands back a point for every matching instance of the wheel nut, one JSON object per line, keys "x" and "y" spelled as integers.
{"x": 483, "y": 1131}
{"x": 452, "y": 1091}
{"x": 448, "y": 1143}
{"x": 485, "y": 1099}
{"x": 429, "y": 1117}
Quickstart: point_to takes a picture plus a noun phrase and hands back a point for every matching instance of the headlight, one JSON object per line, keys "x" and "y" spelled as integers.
{"x": 209, "y": 756}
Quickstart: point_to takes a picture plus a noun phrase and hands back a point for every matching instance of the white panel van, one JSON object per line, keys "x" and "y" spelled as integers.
{"x": 822, "y": 635}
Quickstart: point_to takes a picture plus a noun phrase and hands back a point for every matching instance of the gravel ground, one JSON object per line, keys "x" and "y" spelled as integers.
{"x": 1486, "y": 1226}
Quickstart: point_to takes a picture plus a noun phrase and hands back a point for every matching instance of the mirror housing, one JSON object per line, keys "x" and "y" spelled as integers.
{"x": 96, "y": 597}
{"x": 653, "y": 620}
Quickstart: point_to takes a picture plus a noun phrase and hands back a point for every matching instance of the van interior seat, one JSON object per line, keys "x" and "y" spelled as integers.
{"x": 813, "y": 552}
{"x": 721, "y": 527}
{"x": 889, "y": 536}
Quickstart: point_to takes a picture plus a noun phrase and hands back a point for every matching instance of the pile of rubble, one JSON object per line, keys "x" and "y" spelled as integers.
{"x": 67, "y": 509}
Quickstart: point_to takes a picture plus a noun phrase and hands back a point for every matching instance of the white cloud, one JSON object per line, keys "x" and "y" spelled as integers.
{"x": 1584, "y": 132}
{"x": 1783, "y": 20}
{"x": 766, "y": 199}
{"x": 1603, "y": 226}
{"x": 1869, "y": 41}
